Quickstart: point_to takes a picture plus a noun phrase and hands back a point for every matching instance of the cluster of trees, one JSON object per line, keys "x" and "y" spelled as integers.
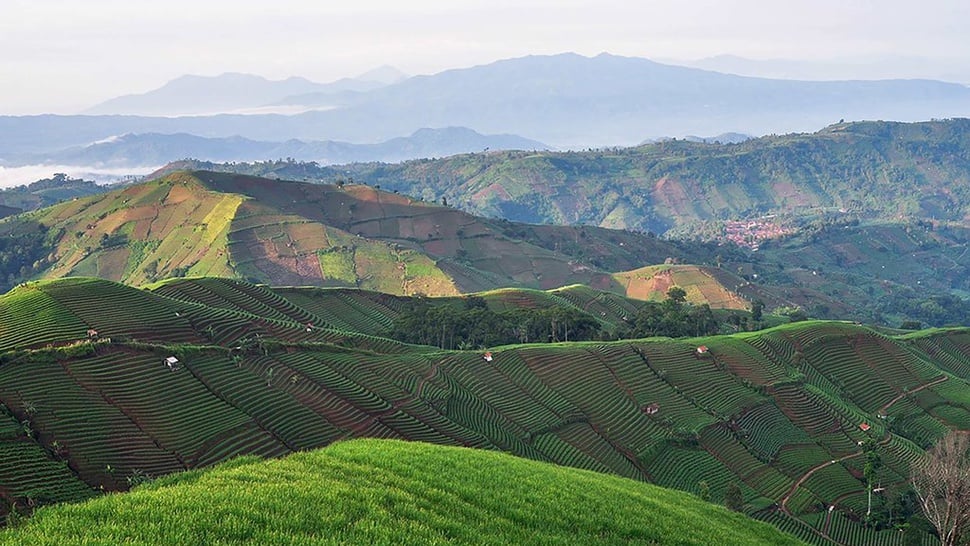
{"x": 674, "y": 317}
{"x": 21, "y": 255}
{"x": 474, "y": 325}
{"x": 935, "y": 310}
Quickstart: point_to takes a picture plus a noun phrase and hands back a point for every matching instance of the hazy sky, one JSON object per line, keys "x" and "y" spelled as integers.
{"x": 65, "y": 55}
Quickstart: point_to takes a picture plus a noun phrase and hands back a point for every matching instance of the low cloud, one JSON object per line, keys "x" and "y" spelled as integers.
{"x": 17, "y": 176}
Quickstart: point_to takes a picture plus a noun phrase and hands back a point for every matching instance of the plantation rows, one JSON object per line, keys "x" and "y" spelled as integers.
{"x": 657, "y": 410}
{"x": 30, "y": 317}
{"x": 764, "y": 479}
{"x": 29, "y": 474}
{"x": 766, "y": 429}
{"x": 350, "y": 310}
{"x": 949, "y": 351}
{"x": 839, "y": 363}
{"x": 103, "y": 443}
{"x": 132, "y": 313}
{"x": 698, "y": 378}
{"x": 748, "y": 359}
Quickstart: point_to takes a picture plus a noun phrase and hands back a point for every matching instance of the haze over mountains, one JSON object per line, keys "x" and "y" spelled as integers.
{"x": 154, "y": 149}
{"x": 565, "y": 100}
{"x": 196, "y": 95}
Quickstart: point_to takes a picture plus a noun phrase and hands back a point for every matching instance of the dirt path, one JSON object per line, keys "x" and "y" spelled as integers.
{"x": 807, "y": 475}
{"x": 905, "y": 394}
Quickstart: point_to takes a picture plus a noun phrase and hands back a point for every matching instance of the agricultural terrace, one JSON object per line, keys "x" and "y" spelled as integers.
{"x": 257, "y": 373}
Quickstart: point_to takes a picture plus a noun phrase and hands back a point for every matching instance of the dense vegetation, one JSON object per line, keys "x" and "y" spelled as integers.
{"x": 23, "y": 253}
{"x": 476, "y": 326}
{"x": 384, "y": 492}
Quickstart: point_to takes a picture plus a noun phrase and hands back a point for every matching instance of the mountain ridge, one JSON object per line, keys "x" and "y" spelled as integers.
{"x": 563, "y": 100}
{"x": 155, "y": 149}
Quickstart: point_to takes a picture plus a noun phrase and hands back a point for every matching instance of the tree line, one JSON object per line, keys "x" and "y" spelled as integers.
{"x": 472, "y": 325}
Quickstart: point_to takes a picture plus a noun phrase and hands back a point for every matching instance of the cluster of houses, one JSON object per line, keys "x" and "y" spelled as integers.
{"x": 751, "y": 233}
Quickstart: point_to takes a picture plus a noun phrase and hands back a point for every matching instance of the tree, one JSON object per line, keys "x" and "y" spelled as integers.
{"x": 942, "y": 484}
{"x": 733, "y": 498}
{"x": 757, "y": 308}
{"x": 704, "y": 490}
{"x": 677, "y": 294}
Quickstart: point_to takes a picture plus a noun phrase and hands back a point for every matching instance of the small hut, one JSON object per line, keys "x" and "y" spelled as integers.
{"x": 651, "y": 409}
{"x": 172, "y": 363}
{"x": 864, "y": 427}
{"x": 702, "y": 350}
{"x": 92, "y": 333}
{"x": 487, "y": 356}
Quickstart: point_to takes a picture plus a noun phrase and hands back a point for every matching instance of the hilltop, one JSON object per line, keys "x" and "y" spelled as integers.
{"x": 268, "y": 372}
{"x": 292, "y": 233}
{"x": 390, "y": 492}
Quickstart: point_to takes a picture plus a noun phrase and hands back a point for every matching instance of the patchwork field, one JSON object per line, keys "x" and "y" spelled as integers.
{"x": 271, "y": 371}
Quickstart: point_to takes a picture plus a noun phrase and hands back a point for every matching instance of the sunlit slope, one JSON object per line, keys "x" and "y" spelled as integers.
{"x": 67, "y": 311}
{"x": 385, "y": 492}
{"x": 172, "y": 226}
{"x": 704, "y": 285}
{"x": 293, "y": 233}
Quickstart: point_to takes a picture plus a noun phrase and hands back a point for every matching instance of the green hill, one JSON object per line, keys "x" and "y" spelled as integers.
{"x": 388, "y": 492}
{"x": 880, "y": 169}
{"x": 767, "y": 411}
{"x": 291, "y": 233}
{"x": 859, "y": 221}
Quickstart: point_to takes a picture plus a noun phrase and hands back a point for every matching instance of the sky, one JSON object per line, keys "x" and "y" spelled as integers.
{"x": 62, "y": 56}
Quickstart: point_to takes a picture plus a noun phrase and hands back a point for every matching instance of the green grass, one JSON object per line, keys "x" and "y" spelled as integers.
{"x": 389, "y": 492}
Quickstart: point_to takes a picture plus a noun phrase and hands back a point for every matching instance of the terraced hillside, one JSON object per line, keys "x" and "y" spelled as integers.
{"x": 385, "y": 492}
{"x": 268, "y": 372}
{"x": 307, "y": 234}
{"x": 880, "y": 169}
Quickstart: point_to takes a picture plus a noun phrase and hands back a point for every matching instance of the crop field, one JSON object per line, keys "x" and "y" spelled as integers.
{"x": 272, "y": 371}
{"x": 714, "y": 287}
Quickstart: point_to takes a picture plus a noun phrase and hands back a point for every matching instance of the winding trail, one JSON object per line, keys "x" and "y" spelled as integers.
{"x": 884, "y": 441}
{"x": 807, "y": 475}
{"x": 917, "y": 389}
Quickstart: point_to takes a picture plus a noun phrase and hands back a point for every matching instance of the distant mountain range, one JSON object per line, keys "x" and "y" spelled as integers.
{"x": 230, "y": 92}
{"x": 153, "y": 149}
{"x": 563, "y": 100}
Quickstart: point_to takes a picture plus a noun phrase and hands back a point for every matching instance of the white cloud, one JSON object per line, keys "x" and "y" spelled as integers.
{"x": 17, "y": 176}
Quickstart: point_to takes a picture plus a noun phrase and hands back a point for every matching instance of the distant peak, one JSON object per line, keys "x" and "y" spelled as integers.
{"x": 385, "y": 74}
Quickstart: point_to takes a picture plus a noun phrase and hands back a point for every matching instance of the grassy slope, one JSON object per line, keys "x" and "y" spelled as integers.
{"x": 384, "y": 492}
